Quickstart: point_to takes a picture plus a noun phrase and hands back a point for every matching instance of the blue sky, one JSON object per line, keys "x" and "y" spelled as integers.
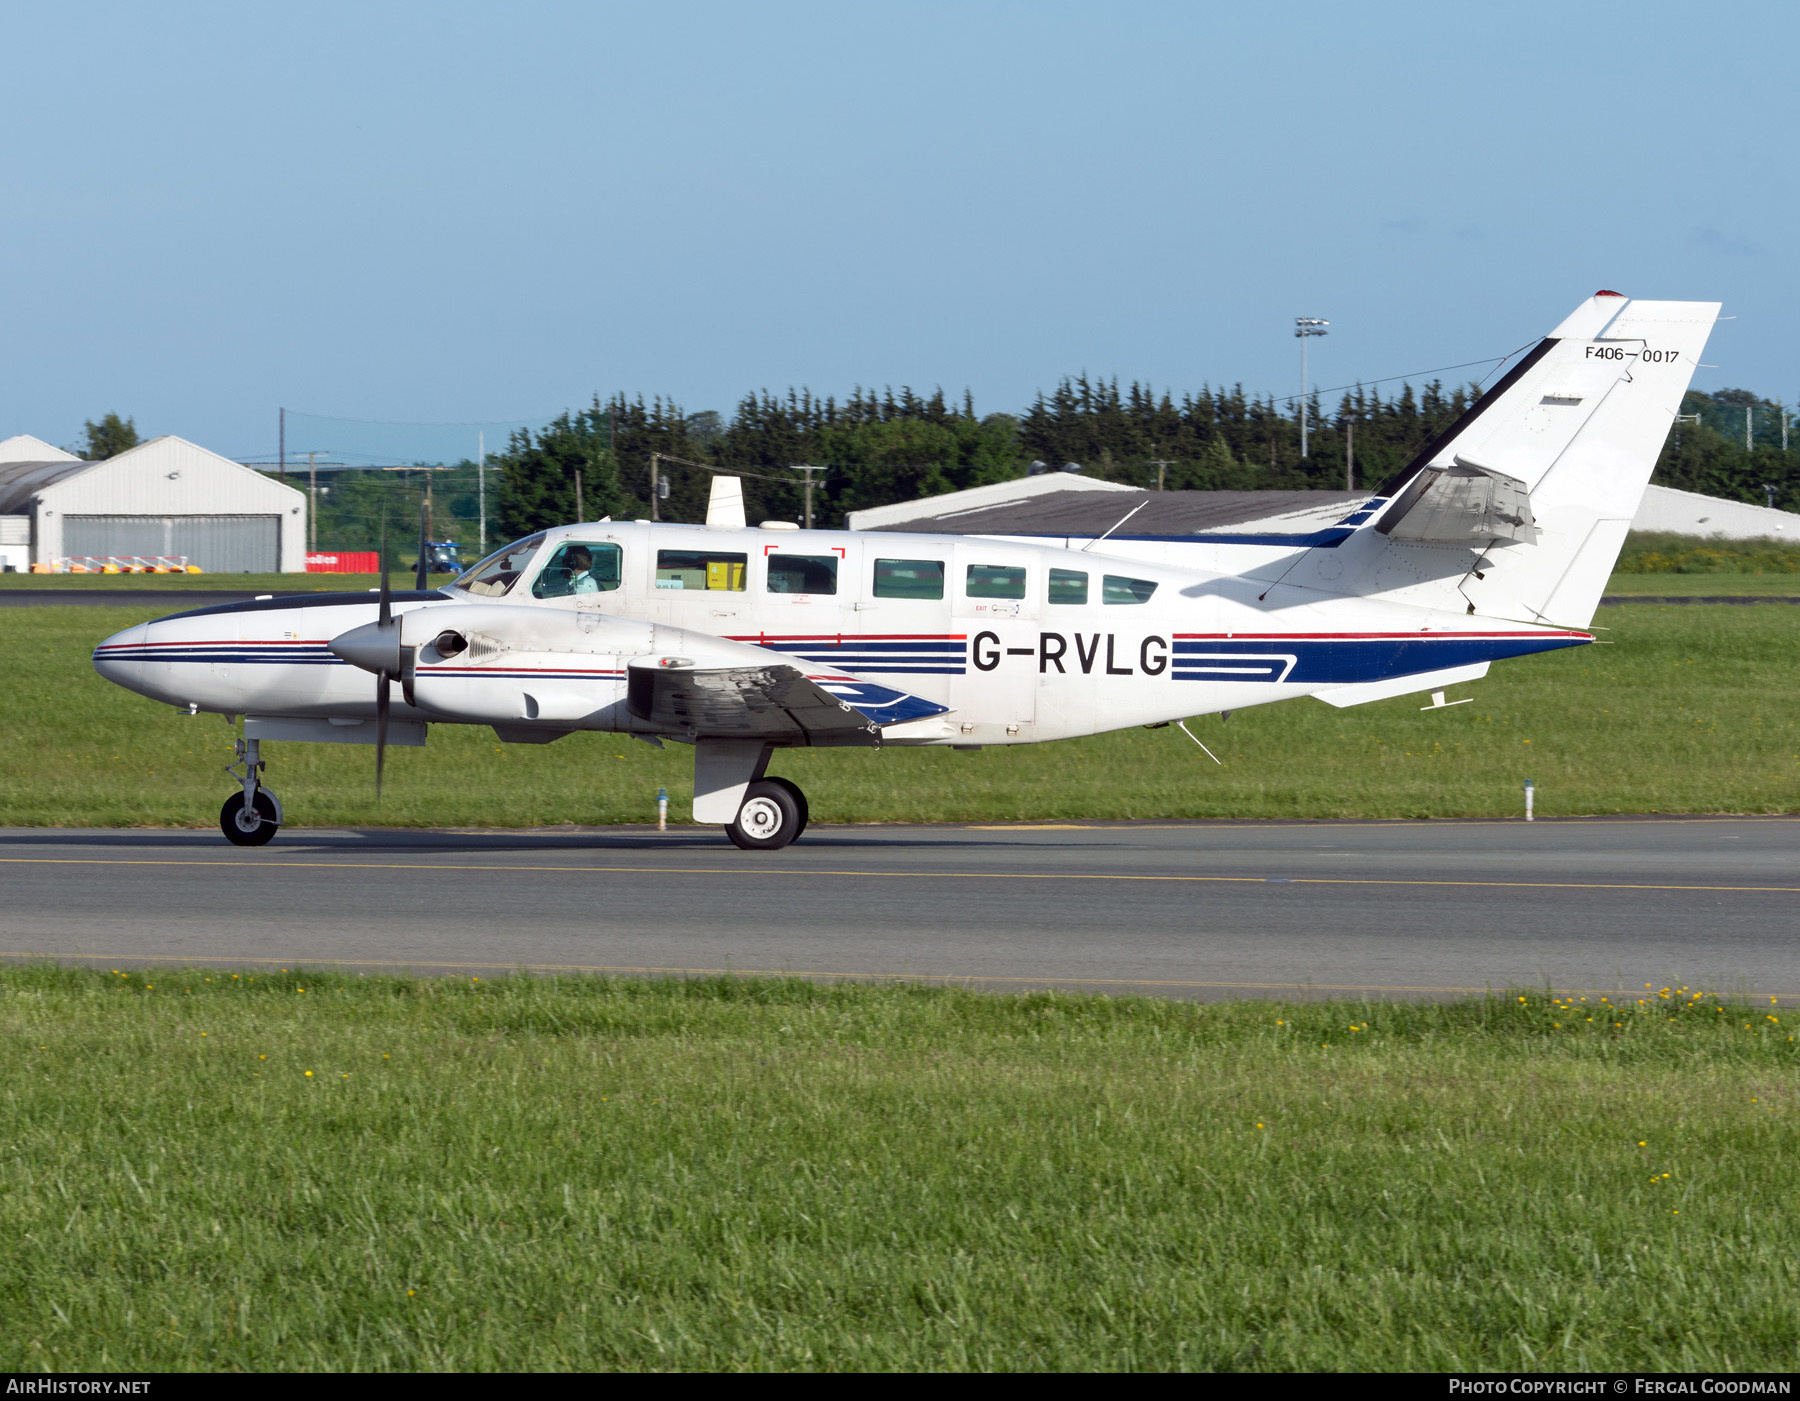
{"x": 460, "y": 212}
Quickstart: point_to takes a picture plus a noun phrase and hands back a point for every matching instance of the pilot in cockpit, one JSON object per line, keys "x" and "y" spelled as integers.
{"x": 580, "y": 565}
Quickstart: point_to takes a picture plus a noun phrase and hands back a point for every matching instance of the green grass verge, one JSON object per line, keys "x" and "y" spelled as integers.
{"x": 312, "y": 1171}
{"x": 1694, "y": 709}
{"x": 1652, "y": 552}
{"x": 1702, "y": 585}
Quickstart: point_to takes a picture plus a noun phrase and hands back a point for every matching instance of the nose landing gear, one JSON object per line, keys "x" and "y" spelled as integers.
{"x": 250, "y": 817}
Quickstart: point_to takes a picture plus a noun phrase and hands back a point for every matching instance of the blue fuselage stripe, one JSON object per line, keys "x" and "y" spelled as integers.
{"x": 1346, "y": 661}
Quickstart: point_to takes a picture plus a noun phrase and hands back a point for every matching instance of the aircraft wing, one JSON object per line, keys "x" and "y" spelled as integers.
{"x": 472, "y": 662}
{"x": 773, "y": 701}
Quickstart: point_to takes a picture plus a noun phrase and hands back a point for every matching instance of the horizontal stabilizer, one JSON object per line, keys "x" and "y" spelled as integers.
{"x": 1343, "y": 696}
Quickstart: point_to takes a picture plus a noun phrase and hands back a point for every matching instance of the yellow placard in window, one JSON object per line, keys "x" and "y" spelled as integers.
{"x": 724, "y": 574}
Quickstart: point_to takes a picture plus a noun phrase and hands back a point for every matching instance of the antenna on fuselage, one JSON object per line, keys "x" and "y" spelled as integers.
{"x": 1115, "y": 525}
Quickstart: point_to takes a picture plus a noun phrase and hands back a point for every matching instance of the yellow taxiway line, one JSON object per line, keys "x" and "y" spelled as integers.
{"x": 791, "y": 873}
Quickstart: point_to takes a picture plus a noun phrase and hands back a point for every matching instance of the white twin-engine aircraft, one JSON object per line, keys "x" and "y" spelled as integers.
{"x": 1495, "y": 542}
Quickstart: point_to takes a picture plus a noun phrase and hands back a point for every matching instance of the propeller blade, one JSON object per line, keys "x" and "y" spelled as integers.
{"x": 381, "y": 726}
{"x": 423, "y": 581}
{"x": 386, "y": 615}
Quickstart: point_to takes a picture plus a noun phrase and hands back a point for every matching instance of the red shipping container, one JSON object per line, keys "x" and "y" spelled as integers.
{"x": 345, "y": 562}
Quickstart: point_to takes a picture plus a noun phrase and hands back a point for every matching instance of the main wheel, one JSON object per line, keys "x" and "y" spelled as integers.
{"x": 255, "y": 827}
{"x": 799, "y": 802}
{"x": 769, "y": 818}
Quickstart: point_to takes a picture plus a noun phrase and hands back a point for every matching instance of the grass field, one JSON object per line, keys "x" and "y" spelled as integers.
{"x": 1702, "y": 585}
{"x": 1651, "y": 552}
{"x": 307, "y": 1171}
{"x": 1693, "y": 709}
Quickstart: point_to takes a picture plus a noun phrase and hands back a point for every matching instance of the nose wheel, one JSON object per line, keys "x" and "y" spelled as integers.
{"x": 252, "y": 816}
{"x": 249, "y": 824}
{"x": 773, "y": 814}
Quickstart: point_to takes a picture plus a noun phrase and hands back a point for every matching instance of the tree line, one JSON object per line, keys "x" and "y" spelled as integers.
{"x": 875, "y": 448}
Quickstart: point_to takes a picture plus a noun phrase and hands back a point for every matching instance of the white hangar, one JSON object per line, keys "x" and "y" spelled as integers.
{"x": 167, "y": 497}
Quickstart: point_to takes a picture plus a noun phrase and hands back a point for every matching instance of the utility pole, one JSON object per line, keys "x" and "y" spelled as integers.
{"x": 481, "y": 494}
{"x": 1350, "y": 455}
{"x": 1781, "y": 409}
{"x": 580, "y": 513}
{"x": 655, "y": 484}
{"x": 809, "y": 470}
{"x": 1305, "y": 327}
{"x": 1160, "y": 463}
{"x": 1749, "y": 436}
{"x": 312, "y": 502}
{"x": 283, "y": 454}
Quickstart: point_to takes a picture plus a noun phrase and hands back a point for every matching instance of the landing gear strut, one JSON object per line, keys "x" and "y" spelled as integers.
{"x": 774, "y": 813}
{"x": 250, "y": 817}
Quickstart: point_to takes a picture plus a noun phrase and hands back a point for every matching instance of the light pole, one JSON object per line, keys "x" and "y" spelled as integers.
{"x": 1305, "y": 327}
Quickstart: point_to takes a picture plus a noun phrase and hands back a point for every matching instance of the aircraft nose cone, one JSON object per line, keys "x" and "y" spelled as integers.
{"x": 121, "y": 657}
{"x": 371, "y": 646}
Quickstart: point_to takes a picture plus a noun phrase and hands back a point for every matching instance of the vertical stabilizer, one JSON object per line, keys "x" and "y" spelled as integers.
{"x": 1518, "y": 510}
{"x": 725, "y": 507}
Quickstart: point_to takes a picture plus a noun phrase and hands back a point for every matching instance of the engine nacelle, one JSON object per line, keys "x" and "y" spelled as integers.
{"x": 499, "y": 664}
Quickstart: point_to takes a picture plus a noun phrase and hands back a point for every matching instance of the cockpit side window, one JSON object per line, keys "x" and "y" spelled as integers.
{"x": 496, "y": 574}
{"x": 578, "y": 568}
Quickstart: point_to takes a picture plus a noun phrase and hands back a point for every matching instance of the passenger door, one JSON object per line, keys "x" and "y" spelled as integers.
{"x": 903, "y": 629}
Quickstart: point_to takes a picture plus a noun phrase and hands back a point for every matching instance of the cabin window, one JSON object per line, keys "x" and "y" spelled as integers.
{"x": 1118, "y": 589}
{"x": 803, "y": 573}
{"x": 909, "y": 578}
{"x": 496, "y": 574}
{"x": 1068, "y": 586}
{"x": 701, "y": 570}
{"x": 578, "y": 568}
{"x": 996, "y": 581}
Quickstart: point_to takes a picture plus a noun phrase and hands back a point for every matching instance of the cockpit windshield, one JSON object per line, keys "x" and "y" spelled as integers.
{"x": 496, "y": 574}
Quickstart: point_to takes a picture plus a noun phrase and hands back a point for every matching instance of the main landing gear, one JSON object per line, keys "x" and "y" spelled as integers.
{"x": 774, "y": 813}
{"x": 250, "y": 817}
{"x": 732, "y": 790}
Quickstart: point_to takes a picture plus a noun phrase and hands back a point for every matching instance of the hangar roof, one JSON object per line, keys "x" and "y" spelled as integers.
{"x": 1087, "y": 513}
{"x": 20, "y": 481}
{"x": 164, "y": 476}
{"x": 25, "y": 448}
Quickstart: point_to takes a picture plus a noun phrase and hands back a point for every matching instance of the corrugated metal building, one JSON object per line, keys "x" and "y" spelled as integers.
{"x": 166, "y": 497}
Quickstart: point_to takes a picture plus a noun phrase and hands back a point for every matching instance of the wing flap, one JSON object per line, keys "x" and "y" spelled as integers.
{"x": 773, "y": 702}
